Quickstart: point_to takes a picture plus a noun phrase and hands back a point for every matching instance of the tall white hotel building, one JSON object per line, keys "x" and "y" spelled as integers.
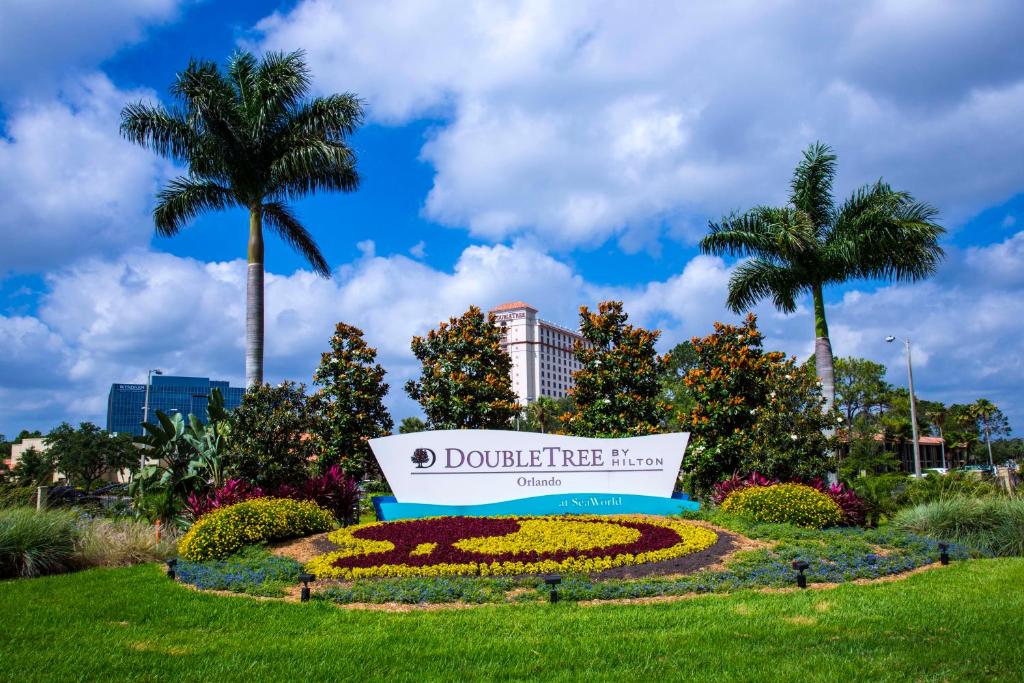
{"x": 542, "y": 357}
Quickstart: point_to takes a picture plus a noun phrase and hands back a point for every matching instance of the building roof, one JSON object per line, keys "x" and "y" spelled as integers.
{"x": 514, "y": 305}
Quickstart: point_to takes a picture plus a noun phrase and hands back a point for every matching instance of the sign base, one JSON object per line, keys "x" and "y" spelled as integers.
{"x": 389, "y": 509}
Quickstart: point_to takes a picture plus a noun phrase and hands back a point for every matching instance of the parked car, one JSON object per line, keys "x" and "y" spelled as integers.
{"x": 937, "y": 470}
{"x": 978, "y": 469}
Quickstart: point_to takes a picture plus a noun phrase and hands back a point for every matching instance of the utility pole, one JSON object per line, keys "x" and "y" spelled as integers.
{"x": 913, "y": 407}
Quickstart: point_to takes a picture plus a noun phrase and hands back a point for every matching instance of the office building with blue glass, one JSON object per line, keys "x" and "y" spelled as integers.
{"x": 185, "y": 395}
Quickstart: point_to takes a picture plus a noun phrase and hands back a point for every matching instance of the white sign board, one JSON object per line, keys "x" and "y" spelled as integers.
{"x": 477, "y": 466}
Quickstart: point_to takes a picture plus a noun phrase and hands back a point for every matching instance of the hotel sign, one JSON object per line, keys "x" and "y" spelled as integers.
{"x": 473, "y": 467}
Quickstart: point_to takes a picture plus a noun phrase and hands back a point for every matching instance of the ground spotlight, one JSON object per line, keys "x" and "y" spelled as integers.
{"x": 305, "y": 579}
{"x": 800, "y": 566}
{"x": 553, "y": 581}
{"x": 171, "y": 565}
{"x": 944, "y": 553}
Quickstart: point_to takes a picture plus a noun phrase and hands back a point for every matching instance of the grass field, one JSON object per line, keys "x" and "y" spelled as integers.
{"x": 963, "y": 622}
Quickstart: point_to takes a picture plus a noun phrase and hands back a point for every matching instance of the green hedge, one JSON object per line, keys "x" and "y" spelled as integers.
{"x": 229, "y": 529}
{"x": 787, "y": 503}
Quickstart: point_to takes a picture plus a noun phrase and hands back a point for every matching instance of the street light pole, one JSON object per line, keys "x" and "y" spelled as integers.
{"x": 913, "y": 407}
{"x": 145, "y": 413}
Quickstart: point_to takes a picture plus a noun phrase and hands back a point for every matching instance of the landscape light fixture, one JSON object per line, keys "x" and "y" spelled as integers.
{"x": 944, "y": 553}
{"x": 553, "y": 581}
{"x": 171, "y": 565}
{"x": 913, "y": 407}
{"x": 800, "y": 566}
{"x": 304, "y": 593}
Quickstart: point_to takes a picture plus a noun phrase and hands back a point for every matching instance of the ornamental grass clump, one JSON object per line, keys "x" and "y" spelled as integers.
{"x": 990, "y": 525}
{"x": 796, "y": 504}
{"x": 253, "y": 522}
{"x": 33, "y": 543}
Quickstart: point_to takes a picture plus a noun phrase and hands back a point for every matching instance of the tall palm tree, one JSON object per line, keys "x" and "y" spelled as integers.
{"x": 810, "y": 243}
{"x": 250, "y": 138}
{"x": 936, "y": 414}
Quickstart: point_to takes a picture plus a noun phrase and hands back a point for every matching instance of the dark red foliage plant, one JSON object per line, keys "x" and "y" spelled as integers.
{"x": 734, "y": 483}
{"x": 233, "y": 491}
{"x": 333, "y": 490}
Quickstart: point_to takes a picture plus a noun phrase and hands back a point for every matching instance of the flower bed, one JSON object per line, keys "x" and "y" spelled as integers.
{"x": 260, "y": 520}
{"x": 505, "y": 546}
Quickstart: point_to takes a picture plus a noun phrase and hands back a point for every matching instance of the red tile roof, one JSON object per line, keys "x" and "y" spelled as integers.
{"x": 513, "y": 306}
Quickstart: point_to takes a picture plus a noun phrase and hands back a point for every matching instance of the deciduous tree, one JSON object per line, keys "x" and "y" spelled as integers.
{"x": 270, "y": 436}
{"x": 85, "y": 454}
{"x": 754, "y": 411}
{"x": 466, "y": 380}
{"x": 617, "y": 390}
{"x": 350, "y": 402}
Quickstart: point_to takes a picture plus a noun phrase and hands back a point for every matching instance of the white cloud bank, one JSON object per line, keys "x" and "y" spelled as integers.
{"x": 107, "y": 321}
{"x": 583, "y": 121}
{"x": 71, "y": 186}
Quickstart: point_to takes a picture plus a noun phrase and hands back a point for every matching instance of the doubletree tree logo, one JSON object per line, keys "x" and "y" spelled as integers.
{"x": 423, "y": 457}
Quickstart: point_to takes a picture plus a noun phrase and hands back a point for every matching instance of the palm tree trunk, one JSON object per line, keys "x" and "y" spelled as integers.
{"x": 823, "y": 350}
{"x": 254, "y": 301}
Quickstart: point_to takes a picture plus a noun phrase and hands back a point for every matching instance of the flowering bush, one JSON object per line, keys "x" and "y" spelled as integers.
{"x": 503, "y": 546}
{"x": 229, "y": 529}
{"x": 797, "y": 504}
{"x": 853, "y": 508}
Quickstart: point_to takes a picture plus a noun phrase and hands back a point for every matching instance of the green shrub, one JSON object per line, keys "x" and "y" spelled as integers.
{"x": 35, "y": 543}
{"x": 787, "y": 503}
{"x": 123, "y": 542}
{"x": 933, "y": 487}
{"x": 17, "y": 496}
{"x": 228, "y": 529}
{"x": 991, "y": 525}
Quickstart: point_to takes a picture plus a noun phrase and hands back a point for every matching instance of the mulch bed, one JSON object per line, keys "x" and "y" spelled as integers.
{"x": 727, "y": 543}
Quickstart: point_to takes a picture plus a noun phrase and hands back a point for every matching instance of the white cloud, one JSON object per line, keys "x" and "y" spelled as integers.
{"x": 106, "y": 321}
{"x": 580, "y": 122}
{"x": 71, "y": 185}
{"x": 42, "y": 41}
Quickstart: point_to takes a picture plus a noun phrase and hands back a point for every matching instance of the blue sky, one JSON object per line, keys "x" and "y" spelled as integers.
{"x": 561, "y": 153}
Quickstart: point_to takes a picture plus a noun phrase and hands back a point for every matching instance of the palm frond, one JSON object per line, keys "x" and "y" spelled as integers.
{"x": 164, "y": 131}
{"x": 183, "y": 199}
{"x": 759, "y": 279}
{"x": 765, "y": 232}
{"x": 811, "y": 187}
{"x": 882, "y": 233}
{"x": 333, "y": 118}
{"x": 282, "y": 81}
{"x": 312, "y": 166}
{"x": 213, "y": 108}
{"x": 243, "y": 74}
{"x": 279, "y": 218}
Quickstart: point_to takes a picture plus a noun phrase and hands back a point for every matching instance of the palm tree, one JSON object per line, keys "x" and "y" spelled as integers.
{"x": 936, "y": 413}
{"x": 810, "y": 243}
{"x": 251, "y": 139}
{"x": 991, "y": 420}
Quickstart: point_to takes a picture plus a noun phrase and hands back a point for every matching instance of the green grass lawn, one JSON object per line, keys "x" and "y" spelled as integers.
{"x": 963, "y": 622}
